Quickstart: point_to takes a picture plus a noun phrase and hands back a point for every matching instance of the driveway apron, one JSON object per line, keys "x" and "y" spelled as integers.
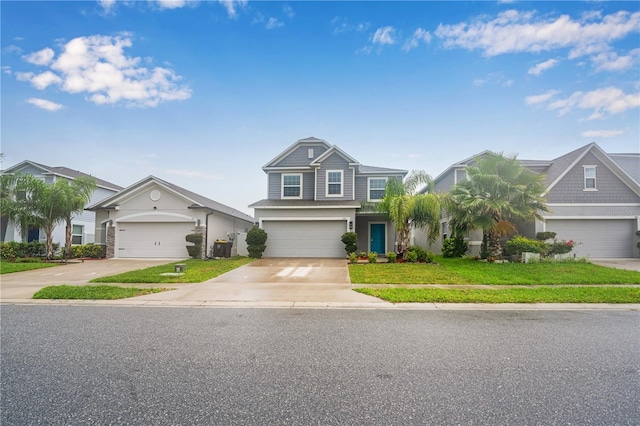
{"x": 273, "y": 280}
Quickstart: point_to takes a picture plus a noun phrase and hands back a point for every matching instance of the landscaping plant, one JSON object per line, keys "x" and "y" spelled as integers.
{"x": 350, "y": 240}
{"x": 256, "y": 239}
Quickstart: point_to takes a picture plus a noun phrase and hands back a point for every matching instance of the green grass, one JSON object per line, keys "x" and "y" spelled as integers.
{"x": 467, "y": 271}
{"x": 511, "y": 295}
{"x": 197, "y": 271}
{"x": 93, "y": 292}
{"x": 10, "y": 267}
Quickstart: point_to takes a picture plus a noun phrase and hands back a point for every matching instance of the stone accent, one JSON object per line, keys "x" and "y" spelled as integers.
{"x": 111, "y": 242}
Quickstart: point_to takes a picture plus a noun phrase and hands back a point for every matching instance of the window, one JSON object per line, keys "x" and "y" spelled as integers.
{"x": 76, "y": 234}
{"x": 590, "y": 178}
{"x": 376, "y": 188}
{"x": 310, "y": 153}
{"x": 334, "y": 183}
{"x": 461, "y": 174}
{"x": 292, "y": 186}
{"x": 443, "y": 226}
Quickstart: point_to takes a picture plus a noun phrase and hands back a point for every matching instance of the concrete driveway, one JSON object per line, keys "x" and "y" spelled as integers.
{"x": 629, "y": 264}
{"x": 23, "y": 285}
{"x": 272, "y": 280}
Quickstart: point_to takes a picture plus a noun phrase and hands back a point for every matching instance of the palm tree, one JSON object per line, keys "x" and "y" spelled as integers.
{"x": 77, "y": 195}
{"x": 498, "y": 191}
{"x": 404, "y": 207}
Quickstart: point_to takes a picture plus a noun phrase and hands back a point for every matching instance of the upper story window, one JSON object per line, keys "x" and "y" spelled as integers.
{"x": 334, "y": 183}
{"x": 590, "y": 178}
{"x": 461, "y": 174}
{"x": 292, "y": 185}
{"x": 376, "y": 188}
{"x": 310, "y": 153}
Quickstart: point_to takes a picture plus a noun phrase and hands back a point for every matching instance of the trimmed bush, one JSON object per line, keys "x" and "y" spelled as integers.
{"x": 14, "y": 249}
{"x": 90, "y": 250}
{"x": 544, "y": 236}
{"x": 391, "y": 257}
{"x": 519, "y": 244}
{"x": 422, "y": 255}
{"x": 195, "y": 251}
{"x": 454, "y": 247}
{"x": 350, "y": 240}
{"x": 412, "y": 257}
{"x": 353, "y": 258}
{"x": 373, "y": 257}
{"x": 256, "y": 239}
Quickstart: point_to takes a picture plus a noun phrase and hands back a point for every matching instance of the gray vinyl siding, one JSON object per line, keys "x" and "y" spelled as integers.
{"x": 300, "y": 156}
{"x": 334, "y": 162}
{"x": 31, "y": 170}
{"x": 445, "y": 183}
{"x": 610, "y": 189}
{"x": 361, "y": 188}
{"x": 275, "y": 186}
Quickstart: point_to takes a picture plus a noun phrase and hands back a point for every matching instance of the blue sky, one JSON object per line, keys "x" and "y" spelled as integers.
{"x": 203, "y": 94}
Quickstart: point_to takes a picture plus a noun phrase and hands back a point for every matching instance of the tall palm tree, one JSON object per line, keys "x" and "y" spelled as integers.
{"x": 77, "y": 194}
{"x": 498, "y": 191}
{"x": 405, "y": 207}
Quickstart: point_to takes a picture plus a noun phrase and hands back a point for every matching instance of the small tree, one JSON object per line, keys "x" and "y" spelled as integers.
{"x": 256, "y": 239}
{"x": 350, "y": 240}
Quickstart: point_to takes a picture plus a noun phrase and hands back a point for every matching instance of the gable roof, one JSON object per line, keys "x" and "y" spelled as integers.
{"x": 306, "y": 141}
{"x": 59, "y": 171}
{"x": 372, "y": 170}
{"x": 198, "y": 201}
{"x": 334, "y": 150}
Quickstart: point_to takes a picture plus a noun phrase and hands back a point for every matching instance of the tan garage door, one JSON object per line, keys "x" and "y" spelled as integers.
{"x": 305, "y": 238}
{"x": 154, "y": 240}
{"x": 597, "y": 237}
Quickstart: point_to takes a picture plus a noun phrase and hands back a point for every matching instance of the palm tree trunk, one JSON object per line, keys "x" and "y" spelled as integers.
{"x": 67, "y": 239}
{"x": 494, "y": 246}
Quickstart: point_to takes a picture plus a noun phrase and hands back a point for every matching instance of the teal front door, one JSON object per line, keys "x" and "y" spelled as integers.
{"x": 377, "y": 232}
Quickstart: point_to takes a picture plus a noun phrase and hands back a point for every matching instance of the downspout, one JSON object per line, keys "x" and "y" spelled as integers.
{"x": 206, "y": 234}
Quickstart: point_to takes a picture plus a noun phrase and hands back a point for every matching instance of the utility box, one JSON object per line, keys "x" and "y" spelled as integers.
{"x": 180, "y": 267}
{"x": 222, "y": 248}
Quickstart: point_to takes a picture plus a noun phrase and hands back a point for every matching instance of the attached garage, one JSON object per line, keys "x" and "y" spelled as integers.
{"x": 153, "y": 239}
{"x": 597, "y": 237}
{"x": 311, "y": 238}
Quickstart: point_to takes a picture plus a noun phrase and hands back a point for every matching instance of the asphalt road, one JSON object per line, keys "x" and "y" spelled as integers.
{"x": 76, "y": 365}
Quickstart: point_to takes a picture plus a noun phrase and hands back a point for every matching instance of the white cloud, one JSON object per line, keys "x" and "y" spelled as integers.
{"x": 542, "y": 66}
{"x": 495, "y": 78}
{"x": 288, "y": 11}
{"x": 341, "y": 25}
{"x": 602, "y": 102}
{"x": 12, "y": 48}
{"x": 44, "y": 104}
{"x": 193, "y": 174}
{"x": 96, "y": 65}
{"x": 514, "y": 31}
{"x": 6, "y": 69}
{"x": 537, "y": 99}
{"x": 107, "y": 5}
{"x": 273, "y": 23}
{"x": 384, "y": 35}
{"x": 41, "y": 57}
{"x": 171, "y": 4}
{"x": 232, "y": 6}
{"x": 602, "y": 133}
{"x": 610, "y": 61}
{"x": 418, "y": 36}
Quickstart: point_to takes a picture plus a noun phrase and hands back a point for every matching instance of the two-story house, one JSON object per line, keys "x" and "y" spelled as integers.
{"x": 315, "y": 193}
{"x": 83, "y": 223}
{"x": 593, "y": 197}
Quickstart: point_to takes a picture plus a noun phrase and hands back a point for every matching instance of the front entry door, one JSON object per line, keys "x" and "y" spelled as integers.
{"x": 377, "y": 232}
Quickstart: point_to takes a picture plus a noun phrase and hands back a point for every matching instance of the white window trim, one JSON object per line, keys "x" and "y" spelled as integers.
{"x": 326, "y": 183}
{"x": 81, "y": 234}
{"x": 369, "y": 188}
{"x": 288, "y": 197}
{"x": 595, "y": 178}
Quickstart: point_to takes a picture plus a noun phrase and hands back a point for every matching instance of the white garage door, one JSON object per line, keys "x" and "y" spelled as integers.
{"x": 156, "y": 240}
{"x": 598, "y": 238}
{"x": 304, "y": 238}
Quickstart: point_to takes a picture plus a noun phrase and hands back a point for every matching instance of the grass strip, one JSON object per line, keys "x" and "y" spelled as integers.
{"x": 511, "y": 295}
{"x": 197, "y": 271}
{"x": 93, "y": 292}
{"x": 468, "y": 271}
{"x": 10, "y": 267}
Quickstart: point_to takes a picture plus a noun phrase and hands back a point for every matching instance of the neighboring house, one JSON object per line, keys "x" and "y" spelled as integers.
{"x": 152, "y": 217}
{"x": 593, "y": 197}
{"x": 315, "y": 193}
{"x": 83, "y": 223}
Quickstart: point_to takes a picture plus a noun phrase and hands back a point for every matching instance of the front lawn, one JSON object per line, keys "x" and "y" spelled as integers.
{"x": 93, "y": 292}
{"x": 7, "y": 267}
{"x": 467, "y": 271}
{"x": 197, "y": 271}
{"x": 510, "y": 295}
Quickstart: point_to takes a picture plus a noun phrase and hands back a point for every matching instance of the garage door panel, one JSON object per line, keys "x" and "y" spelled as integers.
{"x": 597, "y": 238}
{"x": 304, "y": 238}
{"x": 153, "y": 240}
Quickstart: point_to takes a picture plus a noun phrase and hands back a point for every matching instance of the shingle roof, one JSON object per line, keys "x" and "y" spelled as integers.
{"x": 305, "y": 203}
{"x": 372, "y": 169}
{"x": 630, "y": 163}
{"x": 67, "y": 173}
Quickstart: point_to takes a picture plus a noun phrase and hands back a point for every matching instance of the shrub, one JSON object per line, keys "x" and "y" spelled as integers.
{"x": 195, "y": 251}
{"x": 561, "y": 247}
{"x": 372, "y": 256}
{"x": 350, "y": 239}
{"x": 362, "y": 254}
{"x": 391, "y": 257}
{"x": 412, "y": 256}
{"x": 90, "y": 250}
{"x": 14, "y": 249}
{"x": 353, "y": 258}
{"x": 256, "y": 239}
{"x": 544, "y": 236}
{"x": 454, "y": 247}
{"x": 519, "y": 244}
{"x": 422, "y": 255}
